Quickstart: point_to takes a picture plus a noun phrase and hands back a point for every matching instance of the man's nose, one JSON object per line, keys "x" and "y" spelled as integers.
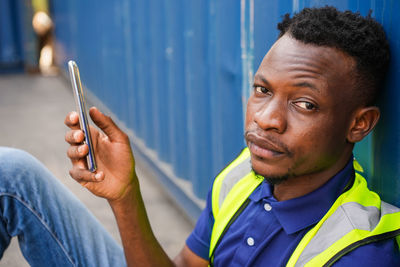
{"x": 272, "y": 116}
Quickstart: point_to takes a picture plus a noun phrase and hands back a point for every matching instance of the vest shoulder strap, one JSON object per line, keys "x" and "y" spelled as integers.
{"x": 230, "y": 190}
{"x": 226, "y": 179}
{"x": 356, "y": 218}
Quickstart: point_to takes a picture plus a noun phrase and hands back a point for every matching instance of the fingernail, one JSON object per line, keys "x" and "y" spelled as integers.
{"x": 76, "y": 135}
{"x": 80, "y": 149}
{"x": 72, "y": 116}
{"x": 98, "y": 176}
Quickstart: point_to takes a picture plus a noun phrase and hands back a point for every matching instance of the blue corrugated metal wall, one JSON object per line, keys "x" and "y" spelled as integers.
{"x": 178, "y": 73}
{"x": 10, "y": 46}
{"x": 171, "y": 70}
{"x": 17, "y": 39}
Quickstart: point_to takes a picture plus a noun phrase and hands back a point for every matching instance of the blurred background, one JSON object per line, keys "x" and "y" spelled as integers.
{"x": 176, "y": 75}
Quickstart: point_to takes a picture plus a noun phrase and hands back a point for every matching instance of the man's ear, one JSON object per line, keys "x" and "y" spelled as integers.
{"x": 364, "y": 121}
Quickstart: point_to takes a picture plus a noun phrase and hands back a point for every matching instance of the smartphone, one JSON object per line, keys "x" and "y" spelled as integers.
{"x": 81, "y": 109}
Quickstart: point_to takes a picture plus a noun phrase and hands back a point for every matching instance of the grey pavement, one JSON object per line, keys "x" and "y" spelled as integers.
{"x": 32, "y": 112}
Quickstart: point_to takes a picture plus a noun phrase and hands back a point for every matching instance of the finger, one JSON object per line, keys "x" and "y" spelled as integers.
{"x": 84, "y": 175}
{"x": 77, "y": 152}
{"x": 81, "y": 163}
{"x": 107, "y": 125}
{"x": 74, "y": 137}
{"x": 72, "y": 120}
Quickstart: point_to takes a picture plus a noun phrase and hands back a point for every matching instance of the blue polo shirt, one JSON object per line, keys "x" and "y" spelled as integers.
{"x": 267, "y": 231}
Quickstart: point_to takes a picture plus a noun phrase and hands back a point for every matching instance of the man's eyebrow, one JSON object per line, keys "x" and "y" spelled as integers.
{"x": 300, "y": 84}
{"x": 262, "y": 78}
{"x": 306, "y": 84}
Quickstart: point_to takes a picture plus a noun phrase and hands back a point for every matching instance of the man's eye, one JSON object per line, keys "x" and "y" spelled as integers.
{"x": 305, "y": 105}
{"x": 262, "y": 90}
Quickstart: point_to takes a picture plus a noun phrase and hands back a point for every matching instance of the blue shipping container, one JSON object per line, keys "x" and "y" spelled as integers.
{"x": 178, "y": 74}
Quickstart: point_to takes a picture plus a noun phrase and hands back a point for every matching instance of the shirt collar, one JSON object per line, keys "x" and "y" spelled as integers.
{"x": 299, "y": 213}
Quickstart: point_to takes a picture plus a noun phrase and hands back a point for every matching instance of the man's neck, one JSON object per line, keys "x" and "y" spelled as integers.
{"x": 302, "y": 185}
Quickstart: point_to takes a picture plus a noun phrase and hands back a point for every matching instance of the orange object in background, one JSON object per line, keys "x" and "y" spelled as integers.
{"x": 43, "y": 26}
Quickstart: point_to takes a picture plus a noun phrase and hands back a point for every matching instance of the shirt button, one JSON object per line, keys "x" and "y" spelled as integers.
{"x": 250, "y": 241}
{"x": 267, "y": 207}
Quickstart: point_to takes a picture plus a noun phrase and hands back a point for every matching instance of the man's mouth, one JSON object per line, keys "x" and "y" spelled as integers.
{"x": 263, "y": 152}
{"x": 263, "y": 147}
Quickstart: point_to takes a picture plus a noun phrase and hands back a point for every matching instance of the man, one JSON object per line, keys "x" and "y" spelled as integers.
{"x": 292, "y": 198}
{"x": 313, "y": 99}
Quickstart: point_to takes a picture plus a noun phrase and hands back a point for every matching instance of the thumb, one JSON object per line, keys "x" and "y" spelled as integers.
{"x": 107, "y": 125}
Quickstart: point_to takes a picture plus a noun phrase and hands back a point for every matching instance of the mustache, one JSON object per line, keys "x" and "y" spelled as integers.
{"x": 255, "y": 136}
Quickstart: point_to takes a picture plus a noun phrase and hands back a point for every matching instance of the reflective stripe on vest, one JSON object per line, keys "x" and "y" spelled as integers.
{"x": 358, "y": 214}
{"x": 357, "y": 217}
{"x": 229, "y": 192}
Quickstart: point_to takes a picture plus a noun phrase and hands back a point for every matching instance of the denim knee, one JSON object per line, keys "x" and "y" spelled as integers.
{"x": 19, "y": 169}
{"x": 12, "y": 159}
{"x": 14, "y": 156}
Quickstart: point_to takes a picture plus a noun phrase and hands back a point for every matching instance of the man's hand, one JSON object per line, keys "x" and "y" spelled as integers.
{"x": 115, "y": 175}
{"x": 116, "y": 181}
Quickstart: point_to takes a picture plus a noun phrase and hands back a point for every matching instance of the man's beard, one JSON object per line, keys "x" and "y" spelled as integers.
{"x": 274, "y": 179}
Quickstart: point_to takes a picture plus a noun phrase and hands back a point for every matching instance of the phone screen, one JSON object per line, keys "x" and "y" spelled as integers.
{"x": 81, "y": 109}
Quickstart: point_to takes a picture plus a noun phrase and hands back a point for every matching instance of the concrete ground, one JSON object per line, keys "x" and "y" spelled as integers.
{"x": 32, "y": 112}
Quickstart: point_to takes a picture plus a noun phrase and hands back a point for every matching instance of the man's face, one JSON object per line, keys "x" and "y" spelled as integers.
{"x": 299, "y": 113}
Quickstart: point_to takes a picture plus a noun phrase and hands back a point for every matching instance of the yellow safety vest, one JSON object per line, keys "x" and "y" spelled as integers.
{"x": 357, "y": 217}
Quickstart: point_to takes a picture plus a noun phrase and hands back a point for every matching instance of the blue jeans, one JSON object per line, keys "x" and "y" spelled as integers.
{"x": 53, "y": 227}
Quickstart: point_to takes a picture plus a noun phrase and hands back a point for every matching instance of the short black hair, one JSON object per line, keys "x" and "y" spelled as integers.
{"x": 362, "y": 38}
